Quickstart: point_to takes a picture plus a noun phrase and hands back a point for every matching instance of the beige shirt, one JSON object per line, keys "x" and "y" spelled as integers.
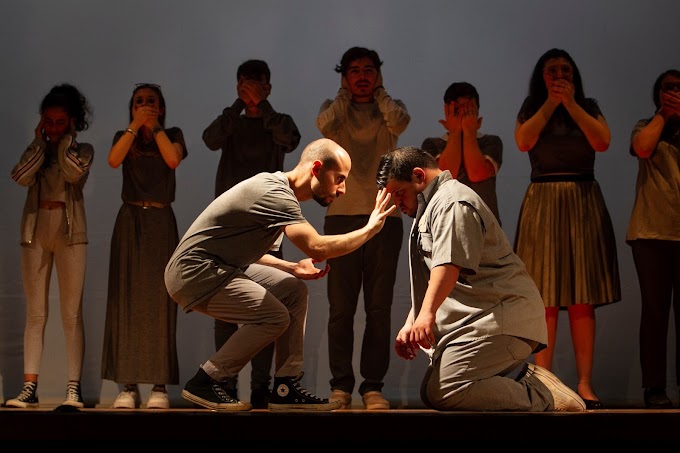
{"x": 366, "y": 131}
{"x": 494, "y": 294}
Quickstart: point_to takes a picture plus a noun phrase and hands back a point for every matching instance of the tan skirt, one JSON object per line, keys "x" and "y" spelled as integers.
{"x": 566, "y": 239}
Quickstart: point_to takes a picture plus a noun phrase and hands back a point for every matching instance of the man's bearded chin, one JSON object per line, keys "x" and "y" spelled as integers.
{"x": 322, "y": 201}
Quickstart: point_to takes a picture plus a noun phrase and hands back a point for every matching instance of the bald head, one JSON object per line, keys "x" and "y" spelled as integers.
{"x": 321, "y": 172}
{"x": 329, "y": 153}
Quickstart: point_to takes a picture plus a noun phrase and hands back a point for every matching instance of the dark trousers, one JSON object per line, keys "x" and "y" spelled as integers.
{"x": 371, "y": 268}
{"x": 658, "y": 268}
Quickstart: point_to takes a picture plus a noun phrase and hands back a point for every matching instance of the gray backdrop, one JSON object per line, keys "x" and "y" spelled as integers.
{"x": 192, "y": 48}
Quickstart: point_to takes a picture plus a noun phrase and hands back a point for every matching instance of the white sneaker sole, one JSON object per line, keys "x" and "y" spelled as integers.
{"x": 226, "y": 407}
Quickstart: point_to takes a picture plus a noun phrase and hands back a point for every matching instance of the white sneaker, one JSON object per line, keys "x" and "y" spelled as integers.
{"x": 565, "y": 399}
{"x": 342, "y": 396}
{"x": 128, "y": 399}
{"x": 158, "y": 400}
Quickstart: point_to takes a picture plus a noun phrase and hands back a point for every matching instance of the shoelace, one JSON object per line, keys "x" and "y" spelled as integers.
{"x": 73, "y": 391}
{"x": 296, "y": 384}
{"x": 221, "y": 394}
{"x": 27, "y": 391}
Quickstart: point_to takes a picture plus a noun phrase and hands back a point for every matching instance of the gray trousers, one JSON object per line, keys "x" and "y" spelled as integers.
{"x": 269, "y": 305}
{"x": 261, "y": 365}
{"x": 480, "y": 376}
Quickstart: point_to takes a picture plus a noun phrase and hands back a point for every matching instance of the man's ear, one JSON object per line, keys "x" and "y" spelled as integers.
{"x": 267, "y": 89}
{"x": 316, "y": 168}
{"x": 479, "y": 122}
{"x": 418, "y": 175}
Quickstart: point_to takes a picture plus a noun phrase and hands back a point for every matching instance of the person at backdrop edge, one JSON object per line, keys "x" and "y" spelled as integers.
{"x": 55, "y": 168}
{"x": 254, "y": 141}
{"x": 472, "y": 157}
{"x": 564, "y": 233}
{"x": 654, "y": 234}
{"x": 367, "y": 122}
{"x": 221, "y": 268}
{"x": 475, "y": 310}
{"x": 141, "y": 318}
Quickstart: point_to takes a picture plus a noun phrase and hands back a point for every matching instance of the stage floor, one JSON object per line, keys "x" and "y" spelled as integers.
{"x": 394, "y": 425}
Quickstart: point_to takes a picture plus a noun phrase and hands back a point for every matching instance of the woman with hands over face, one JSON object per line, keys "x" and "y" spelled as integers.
{"x": 55, "y": 168}
{"x": 654, "y": 234}
{"x": 564, "y": 232}
{"x": 139, "y": 336}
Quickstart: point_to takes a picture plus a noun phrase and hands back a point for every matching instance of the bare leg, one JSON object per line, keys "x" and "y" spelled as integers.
{"x": 545, "y": 357}
{"x": 582, "y": 323}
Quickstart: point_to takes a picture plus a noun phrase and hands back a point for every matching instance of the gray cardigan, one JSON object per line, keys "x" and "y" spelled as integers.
{"x": 74, "y": 160}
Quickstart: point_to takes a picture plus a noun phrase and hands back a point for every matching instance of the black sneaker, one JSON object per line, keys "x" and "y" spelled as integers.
{"x": 229, "y": 386}
{"x": 288, "y": 395}
{"x": 27, "y": 397}
{"x": 207, "y": 392}
{"x": 259, "y": 398}
{"x": 73, "y": 395}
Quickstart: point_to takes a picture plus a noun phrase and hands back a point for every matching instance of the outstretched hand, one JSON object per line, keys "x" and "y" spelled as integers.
{"x": 305, "y": 270}
{"x": 380, "y": 211}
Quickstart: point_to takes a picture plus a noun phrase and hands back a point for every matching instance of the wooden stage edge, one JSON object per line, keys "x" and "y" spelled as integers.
{"x": 394, "y": 425}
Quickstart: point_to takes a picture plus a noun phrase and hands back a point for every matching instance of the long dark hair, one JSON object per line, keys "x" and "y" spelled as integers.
{"x": 538, "y": 92}
{"x": 69, "y": 98}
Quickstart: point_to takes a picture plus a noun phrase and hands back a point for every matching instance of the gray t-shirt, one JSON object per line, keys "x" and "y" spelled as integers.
{"x": 657, "y": 198}
{"x": 494, "y": 294}
{"x": 234, "y": 231}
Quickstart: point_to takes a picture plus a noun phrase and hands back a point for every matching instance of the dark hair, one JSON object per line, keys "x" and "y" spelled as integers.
{"x": 461, "y": 89}
{"x": 161, "y": 100}
{"x": 399, "y": 164}
{"x": 538, "y": 92}
{"x": 70, "y": 99}
{"x": 253, "y": 69}
{"x": 354, "y": 54}
{"x": 657, "y": 85}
